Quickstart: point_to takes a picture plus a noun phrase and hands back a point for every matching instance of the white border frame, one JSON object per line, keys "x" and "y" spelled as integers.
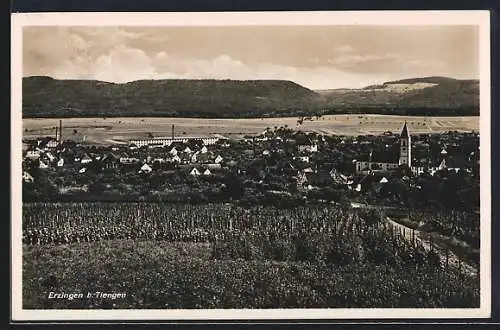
{"x": 393, "y": 18}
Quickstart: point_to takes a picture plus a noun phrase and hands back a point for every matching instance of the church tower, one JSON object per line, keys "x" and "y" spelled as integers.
{"x": 405, "y": 147}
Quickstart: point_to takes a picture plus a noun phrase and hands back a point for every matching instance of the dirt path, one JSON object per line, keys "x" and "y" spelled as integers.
{"x": 453, "y": 260}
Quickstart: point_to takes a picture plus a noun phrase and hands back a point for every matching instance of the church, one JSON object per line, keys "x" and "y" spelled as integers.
{"x": 404, "y": 157}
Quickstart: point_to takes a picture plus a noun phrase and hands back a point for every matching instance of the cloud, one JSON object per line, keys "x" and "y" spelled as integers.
{"x": 121, "y": 54}
{"x": 122, "y": 64}
{"x": 344, "y": 49}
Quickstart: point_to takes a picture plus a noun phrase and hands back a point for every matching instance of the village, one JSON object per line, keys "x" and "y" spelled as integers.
{"x": 279, "y": 165}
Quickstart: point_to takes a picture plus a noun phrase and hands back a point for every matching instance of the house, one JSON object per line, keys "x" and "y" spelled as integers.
{"x": 266, "y": 152}
{"x": 51, "y": 144}
{"x": 28, "y": 178}
{"x": 110, "y": 160}
{"x": 173, "y": 151}
{"x": 86, "y": 159}
{"x": 308, "y": 147}
{"x": 50, "y": 156}
{"x": 207, "y": 172}
{"x": 33, "y": 154}
{"x": 218, "y": 159}
{"x": 188, "y": 150}
{"x": 159, "y": 160}
{"x": 126, "y": 159}
{"x": 213, "y": 166}
{"x": 82, "y": 170}
{"x": 43, "y": 165}
{"x": 194, "y": 172}
{"x": 145, "y": 169}
{"x": 202, "y": 158}
{"x": 60, "y": 163}
{"x": 176, "y": 159}
{"x": 338, "y": 177}
{"x": 204, "y": 150}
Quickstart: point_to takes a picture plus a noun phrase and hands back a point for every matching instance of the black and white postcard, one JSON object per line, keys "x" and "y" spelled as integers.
{"x": 251, "y": 165}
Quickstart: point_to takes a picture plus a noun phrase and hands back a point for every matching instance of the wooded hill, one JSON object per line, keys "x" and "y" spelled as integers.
{"x": 48, "y": 97}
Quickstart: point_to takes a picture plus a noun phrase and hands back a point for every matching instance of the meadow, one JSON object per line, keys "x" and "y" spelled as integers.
{"x": 118, "y": 130}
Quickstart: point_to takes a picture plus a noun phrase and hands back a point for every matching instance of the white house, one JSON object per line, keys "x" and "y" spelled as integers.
{"x": 207, "y": 172}
{"x": 82, "y": 170}
{"x": 308, "y": 148}
{"x": 204, "y": 150}
{"x": 43, "y": 165}
{"x": 218, "y": 159}
{"x": 51, "y": 144}
{"x": 214, "y": 166}
{"x": 145, "y": 169}
{"x": 28, "y": 177}
{"x": 188, "y": 150}
{"x": 33, "y": 154}
{"x": 50, "y": 156}
{"x": 60, "y": 163}
{"x": 173, "y": 151}
{"x": 194, "y": 172}
{"x": 86, "y": 159}
{"x": 176, "y": 159}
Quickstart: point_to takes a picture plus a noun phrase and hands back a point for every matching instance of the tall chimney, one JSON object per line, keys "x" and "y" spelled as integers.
{"x": 173, "y": 135}
{"x": 60, "y": 131}
{"x": 56, "y": 135}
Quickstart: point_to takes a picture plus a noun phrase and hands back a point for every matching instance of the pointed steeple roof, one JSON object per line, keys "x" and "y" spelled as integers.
{"x": 404, "y": 132}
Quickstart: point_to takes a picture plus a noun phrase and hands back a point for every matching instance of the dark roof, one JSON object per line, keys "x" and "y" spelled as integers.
{"x": 404, "y": 132}
{"x": 379, "y": 157}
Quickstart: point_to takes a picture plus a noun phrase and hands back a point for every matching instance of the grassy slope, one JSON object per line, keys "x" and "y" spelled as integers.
{"x": 447, "y": 94}
{"x": 181, "y": 275}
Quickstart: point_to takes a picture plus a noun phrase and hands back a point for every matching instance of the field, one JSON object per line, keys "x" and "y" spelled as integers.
{"x": 226, "y": 256}
{"x": 119, "y": 130}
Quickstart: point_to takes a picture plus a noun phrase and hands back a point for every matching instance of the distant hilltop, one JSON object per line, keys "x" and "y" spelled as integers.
{"x": 429, "y": 95}
{"x": 48, "y": 97}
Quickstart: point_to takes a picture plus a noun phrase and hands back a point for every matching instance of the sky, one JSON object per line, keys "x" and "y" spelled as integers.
{"x": 317, "y": 57}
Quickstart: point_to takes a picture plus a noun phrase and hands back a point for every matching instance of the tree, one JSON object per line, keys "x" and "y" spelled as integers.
{"x": 233, "y": 186}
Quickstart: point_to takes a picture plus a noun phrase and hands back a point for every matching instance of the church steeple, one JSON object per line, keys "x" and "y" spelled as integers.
{"x": 405, "y": 147}
{"x": 404, "y": 132}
